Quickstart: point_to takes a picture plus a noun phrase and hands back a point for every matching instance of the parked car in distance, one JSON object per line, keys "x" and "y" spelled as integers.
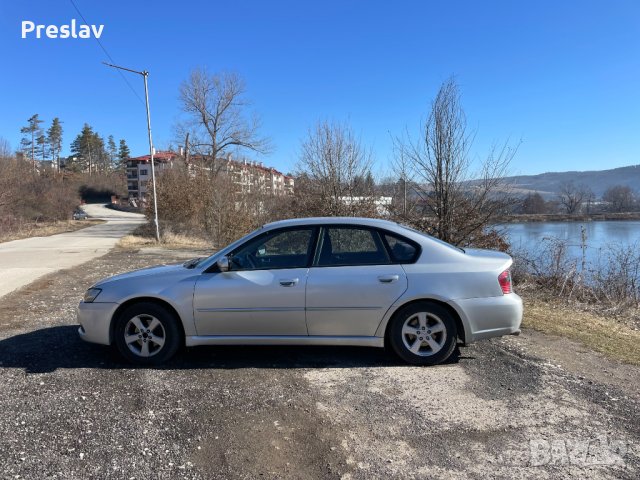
{"x": 80, "y": 214}
{"x": 312, "y": 281}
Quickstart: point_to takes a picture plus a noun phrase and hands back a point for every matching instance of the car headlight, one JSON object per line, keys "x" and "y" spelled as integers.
{"x": 91, "y": 294}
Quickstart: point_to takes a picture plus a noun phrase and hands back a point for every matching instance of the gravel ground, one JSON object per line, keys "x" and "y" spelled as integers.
{"x": 500, "y": 409}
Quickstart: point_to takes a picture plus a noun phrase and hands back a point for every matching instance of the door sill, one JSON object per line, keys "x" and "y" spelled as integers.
{"x": 195, "y": 340}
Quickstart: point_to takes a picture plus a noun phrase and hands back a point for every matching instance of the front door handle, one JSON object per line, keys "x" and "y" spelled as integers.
{"x": 290, "y": 282}
{"x": 388, "y": 278}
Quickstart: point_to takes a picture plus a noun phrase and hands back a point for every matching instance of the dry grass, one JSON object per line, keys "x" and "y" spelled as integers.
{"x": 168, "y": 240}
{"x": 45, "y": 229}
{"x": 606, "y": 335}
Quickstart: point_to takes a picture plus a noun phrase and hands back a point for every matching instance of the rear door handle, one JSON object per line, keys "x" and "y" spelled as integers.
{"x": 388, "y": 278}
{"x": 290, "y": 282}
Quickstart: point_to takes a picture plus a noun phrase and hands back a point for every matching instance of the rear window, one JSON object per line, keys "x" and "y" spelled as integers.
{"x": 401, "y": 250}
{"x": 437, "y": 240}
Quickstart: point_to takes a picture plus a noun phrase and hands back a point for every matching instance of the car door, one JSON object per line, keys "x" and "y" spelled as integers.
{"x": 264, "y": 291}
{"x": 352, "y": 282}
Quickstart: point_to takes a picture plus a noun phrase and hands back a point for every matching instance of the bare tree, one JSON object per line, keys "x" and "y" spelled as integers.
{"x": 404, "y": 204}
{"x": 533, "y": 203}
{"x": 5, "y": 149}
{"x": 572, "y": 196}
{"x": 8, "y": 166}
{"x": 457, "y": 204}
{"x": 620, "y": 197}
{"x": 218, "y": 118}
{"x": 334, "y": 173}
{"x": 205, "y": 205}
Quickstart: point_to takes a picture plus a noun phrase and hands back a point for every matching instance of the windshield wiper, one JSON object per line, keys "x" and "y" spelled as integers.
{"x": 192, "y": 263}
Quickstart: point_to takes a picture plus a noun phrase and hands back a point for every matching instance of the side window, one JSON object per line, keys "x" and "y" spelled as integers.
{"x": 280, "y": 249}
{"x": 351, "y": 246}
{"x": 401, "y": 250}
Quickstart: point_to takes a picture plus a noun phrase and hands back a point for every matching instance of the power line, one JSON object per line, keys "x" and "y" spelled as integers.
{"x": 107, "y": 54}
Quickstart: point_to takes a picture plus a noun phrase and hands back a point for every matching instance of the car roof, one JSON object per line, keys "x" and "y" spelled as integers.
{"x": 370, "y": 222}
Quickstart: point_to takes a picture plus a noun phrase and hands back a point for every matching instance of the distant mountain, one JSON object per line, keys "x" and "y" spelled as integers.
{"x": 548, "y": 184}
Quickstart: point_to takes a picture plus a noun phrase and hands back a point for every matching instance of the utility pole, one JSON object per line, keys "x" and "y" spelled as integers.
{"x": 145, "y": 74}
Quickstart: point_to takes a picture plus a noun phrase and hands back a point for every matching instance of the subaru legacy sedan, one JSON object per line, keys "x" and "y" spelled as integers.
{"x": 311, "y": 281}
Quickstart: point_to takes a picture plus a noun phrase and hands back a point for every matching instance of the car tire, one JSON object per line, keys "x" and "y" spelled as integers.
{"x": 423, "y": 333}
{"x": 147, "y": 334}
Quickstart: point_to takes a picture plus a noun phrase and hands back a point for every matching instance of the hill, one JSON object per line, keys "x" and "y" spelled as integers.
{"x": 548, "y": 184}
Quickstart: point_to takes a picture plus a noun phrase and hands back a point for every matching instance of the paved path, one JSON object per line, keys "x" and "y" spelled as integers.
{"x": 23, "y": 261}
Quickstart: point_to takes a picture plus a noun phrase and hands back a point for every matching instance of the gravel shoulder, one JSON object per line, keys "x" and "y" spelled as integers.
{"x": 532, "y": 406}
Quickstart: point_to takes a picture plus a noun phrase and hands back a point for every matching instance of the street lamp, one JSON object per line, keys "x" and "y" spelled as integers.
{"x": 145, "y": 74}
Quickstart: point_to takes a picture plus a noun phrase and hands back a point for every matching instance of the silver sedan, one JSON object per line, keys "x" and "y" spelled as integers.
{"x": 313, "y": 281}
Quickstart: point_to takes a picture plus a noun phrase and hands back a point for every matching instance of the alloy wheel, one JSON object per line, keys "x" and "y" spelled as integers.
{"x": 424, "y": 334}
{"x": 144, "y": 335}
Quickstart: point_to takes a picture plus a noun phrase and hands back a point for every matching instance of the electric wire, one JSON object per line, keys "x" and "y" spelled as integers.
{"x": 107, "y": 54}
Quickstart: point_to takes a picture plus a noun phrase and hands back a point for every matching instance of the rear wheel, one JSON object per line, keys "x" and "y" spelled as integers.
{"x": 147, "y": 334}
{"x": 423, "y": 334}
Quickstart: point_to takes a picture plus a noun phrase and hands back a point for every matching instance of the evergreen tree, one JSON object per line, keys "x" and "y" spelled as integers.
{"x": 54, "y": 139}
{"x": 28, "y": 142}
{"x": 112, "y": 152}
{"x": 42, "y": 146}
{"x": 123, "y": 154}
{"x": 100, "y": 155}
{"x": 83, "y": 150}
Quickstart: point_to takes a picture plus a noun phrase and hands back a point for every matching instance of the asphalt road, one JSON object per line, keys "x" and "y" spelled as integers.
{"x": 23, "y": 261}
{"x": 496, "y": 410}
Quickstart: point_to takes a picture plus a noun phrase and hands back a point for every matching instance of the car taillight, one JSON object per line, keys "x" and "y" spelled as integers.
{"x": 504, "y": 279}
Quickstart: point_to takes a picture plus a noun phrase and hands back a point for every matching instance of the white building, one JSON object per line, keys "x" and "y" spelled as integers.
{"x": 139, "y": 172}
{"x": 247, "y": 176}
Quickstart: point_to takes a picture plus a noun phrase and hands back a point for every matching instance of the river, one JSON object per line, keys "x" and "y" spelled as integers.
{"x": 599, "y": 236}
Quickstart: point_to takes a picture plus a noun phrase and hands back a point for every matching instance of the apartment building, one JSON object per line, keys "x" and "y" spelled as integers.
{"x": 247, "y": 176}
{"x": 251, "y": 177}
{"x": 139, "y": 172}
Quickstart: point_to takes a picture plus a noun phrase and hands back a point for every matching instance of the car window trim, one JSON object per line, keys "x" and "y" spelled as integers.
{"x": 379, "y": 244}
{"x": 318, "y": 238}
{"x": 312, "y": 244}
{"x": 414, "y": 244}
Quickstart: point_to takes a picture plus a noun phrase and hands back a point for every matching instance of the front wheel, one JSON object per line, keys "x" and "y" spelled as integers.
{"x": 147, "y": 334}
{"x": 423, "y": 334}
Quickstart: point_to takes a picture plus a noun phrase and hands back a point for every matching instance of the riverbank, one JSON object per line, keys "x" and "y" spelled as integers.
{"x": 564, "y": 217}
{"x": 617, "y": 336}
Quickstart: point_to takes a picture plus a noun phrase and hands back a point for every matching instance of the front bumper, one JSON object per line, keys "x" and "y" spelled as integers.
{"x": 95, "y": 321}
{"x": 490, "y": 316}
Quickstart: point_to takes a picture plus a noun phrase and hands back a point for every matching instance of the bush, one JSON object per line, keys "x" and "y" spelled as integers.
{"x": 611, "y": 283}
{"x": 28, "y": 195}
{"x": 207, "y": 205}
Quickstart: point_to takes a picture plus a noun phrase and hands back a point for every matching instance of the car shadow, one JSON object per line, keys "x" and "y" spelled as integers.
{"x": 53, "y": 348}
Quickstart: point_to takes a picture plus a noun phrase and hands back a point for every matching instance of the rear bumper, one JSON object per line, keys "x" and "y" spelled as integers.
{"x": 95, "y": 321}
{"x": 490, "y": 316}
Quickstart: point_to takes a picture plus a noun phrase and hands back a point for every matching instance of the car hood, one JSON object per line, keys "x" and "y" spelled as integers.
{"x": 159, "y": 270}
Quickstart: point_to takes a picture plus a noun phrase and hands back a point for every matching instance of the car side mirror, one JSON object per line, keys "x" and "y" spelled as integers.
{"x": 223, "y": 264}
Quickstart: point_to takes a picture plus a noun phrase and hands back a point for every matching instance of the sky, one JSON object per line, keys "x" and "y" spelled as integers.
{"x": 559, "y": 79}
